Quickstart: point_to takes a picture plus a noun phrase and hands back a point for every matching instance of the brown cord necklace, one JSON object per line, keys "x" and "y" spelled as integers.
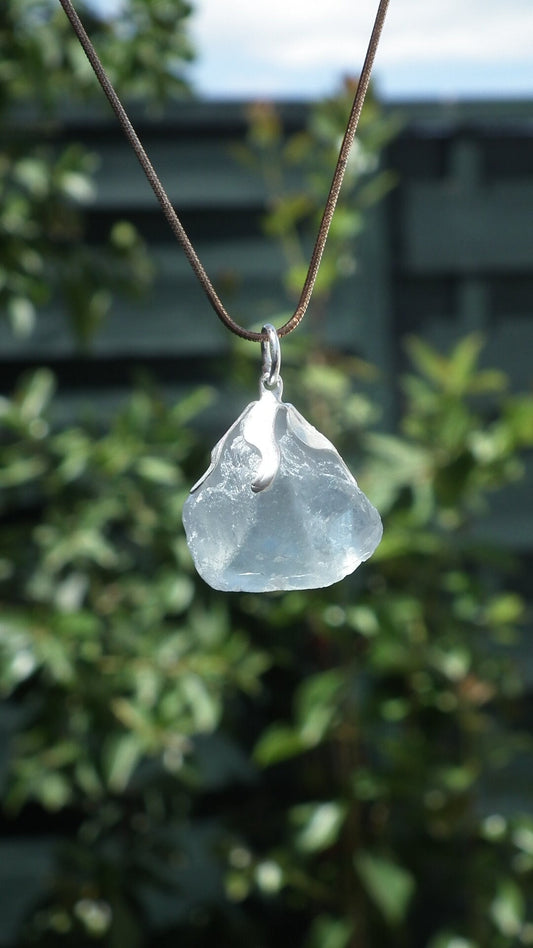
{"x": 277, "y": 508}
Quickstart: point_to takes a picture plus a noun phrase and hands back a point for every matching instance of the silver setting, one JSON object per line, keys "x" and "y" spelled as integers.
{"x": 271, "y": 353}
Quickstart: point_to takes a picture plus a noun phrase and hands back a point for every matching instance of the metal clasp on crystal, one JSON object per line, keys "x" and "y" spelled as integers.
{"x": 271, "y": 354}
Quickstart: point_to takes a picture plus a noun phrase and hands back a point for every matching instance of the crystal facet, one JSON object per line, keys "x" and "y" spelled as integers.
{"x": 277, "y": 509}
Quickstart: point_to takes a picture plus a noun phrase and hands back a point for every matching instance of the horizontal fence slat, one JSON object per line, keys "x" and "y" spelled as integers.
{"x": 175, "y": 318}
{"x": 195, "y": 175}
{"x": 450, "y": 229}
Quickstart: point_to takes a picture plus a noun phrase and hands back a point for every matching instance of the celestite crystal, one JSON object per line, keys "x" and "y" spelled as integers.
{"x": 277, "y": 509}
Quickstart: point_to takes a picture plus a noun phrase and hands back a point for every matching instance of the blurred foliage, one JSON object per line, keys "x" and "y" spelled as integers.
{"x": 43, "y": 254}
{"x": 143, "y": 45}
{"x": 339, "y": 768}
{"x": 297, "y": 171}
{"x": 406, "y": 726}
{"x": 118, "y": 674}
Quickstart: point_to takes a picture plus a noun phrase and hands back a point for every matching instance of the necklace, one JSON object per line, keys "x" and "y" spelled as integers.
{"x": 277, "y": 508}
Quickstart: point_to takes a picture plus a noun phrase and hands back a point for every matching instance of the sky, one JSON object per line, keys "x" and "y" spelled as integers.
{"x": 300, "y": 49}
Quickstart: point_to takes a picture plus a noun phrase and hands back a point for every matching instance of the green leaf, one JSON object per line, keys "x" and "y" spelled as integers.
{"x": 268, "y": 876}
{"x": 519, "y": 418}
{"x": 34, "y": 175}
{"x": 36, "y": 394}
{"x": 390, "y": 886}
{"x": 487, "y": 381}
{"x": 21, "y": 312}
{"x": 428, "y": 361}
{"x": 54, "y": 790}
{"x": 451, "y": 940}
{"x": 95, "y": 916}
{"x": 21, "y": 470}
{"x": 158, "y": 470}
{"x": 464, "y": 360}
{"x": 329, "y": 932}
{"x": 317, "y": 825}
{"x": 77, "y": 186}
{"x": 18, "y": 659}
{"x": 508, "y": 908}
{"x": 505, "y": 608}
{"x": 458, "y": 779}
{"x": 522, "y": 835}
{"x": 317, "y": 705}
{"x": 121, "y": 756}
{"x": 205, "y": 709}
{"x": 279, "y": 742}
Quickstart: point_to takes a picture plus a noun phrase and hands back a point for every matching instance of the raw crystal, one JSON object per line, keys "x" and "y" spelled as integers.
{"x": 277, "y": 509}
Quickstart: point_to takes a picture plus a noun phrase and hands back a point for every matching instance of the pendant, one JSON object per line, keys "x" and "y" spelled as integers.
{"x": 277, "y": 508}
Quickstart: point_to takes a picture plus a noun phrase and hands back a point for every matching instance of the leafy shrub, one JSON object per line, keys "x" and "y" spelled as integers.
{"x": 339, "y": 768}
{"x": 331, "y": 763}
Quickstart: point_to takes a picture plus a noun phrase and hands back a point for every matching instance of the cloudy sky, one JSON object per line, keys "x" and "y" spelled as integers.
{"x": 300, "y": 48}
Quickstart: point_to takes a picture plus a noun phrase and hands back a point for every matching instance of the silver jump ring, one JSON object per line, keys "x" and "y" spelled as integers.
{"x": 271, "y": 353}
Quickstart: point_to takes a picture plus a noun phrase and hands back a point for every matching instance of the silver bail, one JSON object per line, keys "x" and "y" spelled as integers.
{"x": 271, "y": 355}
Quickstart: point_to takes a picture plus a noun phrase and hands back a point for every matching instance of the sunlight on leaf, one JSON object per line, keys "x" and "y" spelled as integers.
{"x": 317, "y": 825}
{"x": 389, "y": 885}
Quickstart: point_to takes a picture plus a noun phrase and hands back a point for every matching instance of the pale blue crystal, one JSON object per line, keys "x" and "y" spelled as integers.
{"x": 277, "y": 509}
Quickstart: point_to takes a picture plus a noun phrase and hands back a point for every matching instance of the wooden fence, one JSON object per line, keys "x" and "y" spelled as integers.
{"x": 450, "y": 250}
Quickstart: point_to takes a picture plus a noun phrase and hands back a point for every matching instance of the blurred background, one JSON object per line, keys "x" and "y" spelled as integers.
{"x": 340, "y": 768}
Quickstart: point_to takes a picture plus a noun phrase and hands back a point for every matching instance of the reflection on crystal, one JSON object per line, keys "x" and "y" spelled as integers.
{"x": 308, "y": 528}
